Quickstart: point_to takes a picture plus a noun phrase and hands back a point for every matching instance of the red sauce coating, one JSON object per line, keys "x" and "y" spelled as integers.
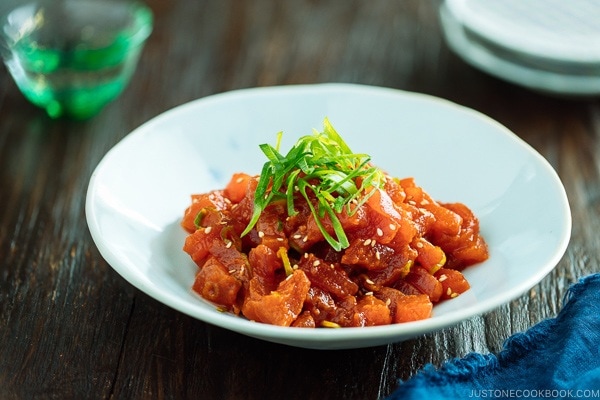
{"x": 406, "y": 253}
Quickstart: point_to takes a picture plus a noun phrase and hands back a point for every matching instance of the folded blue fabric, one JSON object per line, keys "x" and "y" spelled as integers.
{"x": 558, "y": 358}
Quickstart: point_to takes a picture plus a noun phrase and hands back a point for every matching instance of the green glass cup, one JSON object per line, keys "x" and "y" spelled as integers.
{"x": 72, "y": 57}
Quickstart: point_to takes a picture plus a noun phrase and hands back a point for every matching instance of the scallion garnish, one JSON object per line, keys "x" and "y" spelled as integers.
{"x": 321, "y": 167}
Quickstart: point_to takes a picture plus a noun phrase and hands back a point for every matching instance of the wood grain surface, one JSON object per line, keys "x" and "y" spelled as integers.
{"x": 72, "y": 328}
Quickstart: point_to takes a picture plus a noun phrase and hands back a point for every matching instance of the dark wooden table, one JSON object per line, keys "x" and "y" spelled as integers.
{"x": 72, "y": 328}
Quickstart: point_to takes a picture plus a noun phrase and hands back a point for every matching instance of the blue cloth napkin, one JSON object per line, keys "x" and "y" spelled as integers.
{"x": 558, "y": 358}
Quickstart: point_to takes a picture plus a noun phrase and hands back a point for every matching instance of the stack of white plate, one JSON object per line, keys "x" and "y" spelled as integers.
{"x": 547, "y": 45}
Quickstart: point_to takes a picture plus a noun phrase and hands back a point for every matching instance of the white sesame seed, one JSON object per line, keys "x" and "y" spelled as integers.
{"x": 297, "y": 236}
{"x": 295, "y": 266}
{"x": 420, "y": 245}
{"x": 280, "y": 239}
{"x": 369, "y": 294}
{"x": 370, "y": 282}
{"x": 332, "y": 266}
{"x": 453, "y": 295}
{"x": 316, "y": 263}
{"x": 379, "y": 232}
{"x": 443, "y": 277}
{"x": 208, "y": 229}
{"x": 393, "y": 227}
{"x": 412, "y": 202}
{"x": 261, "y": 234}
{"x": 378, "y": 255}
{"x": 449, "y": 292}
{"x": 239, "y": 180}
{"x": 367, "y": 242}
{"x": 388, "y": 302}
{"x": 305, "y": 239}
{"x": 228, "y": 245}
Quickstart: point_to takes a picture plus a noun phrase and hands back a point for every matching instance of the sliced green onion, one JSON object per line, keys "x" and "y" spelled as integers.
{"x": 323, "y": 164}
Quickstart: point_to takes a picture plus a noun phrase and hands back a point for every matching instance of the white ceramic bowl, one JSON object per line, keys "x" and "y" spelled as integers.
{"x": 140, "y": 189}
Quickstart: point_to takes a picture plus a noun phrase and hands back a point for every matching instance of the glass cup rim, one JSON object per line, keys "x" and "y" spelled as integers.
{"x": 137, "y": 30}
